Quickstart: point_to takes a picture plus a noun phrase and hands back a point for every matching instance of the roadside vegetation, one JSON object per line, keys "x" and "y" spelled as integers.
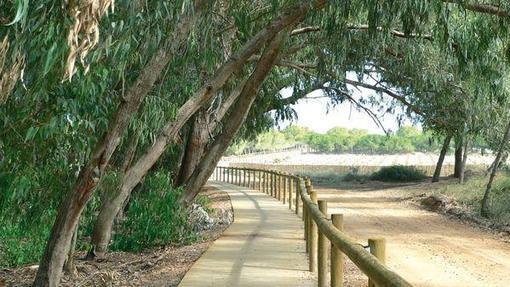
{"x": 398, "y": 173}
{"x": 152, "y": 218}
{"x": 471, "y": 193}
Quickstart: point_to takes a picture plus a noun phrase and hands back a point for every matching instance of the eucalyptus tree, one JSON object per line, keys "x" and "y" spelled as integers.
{"x": 130, "y": 33}
{"x": 289, "y": 16}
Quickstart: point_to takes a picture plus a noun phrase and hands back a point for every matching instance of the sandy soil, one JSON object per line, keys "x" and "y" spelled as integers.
{"x": 426, "y": 248}
{"x": 161, "y": 267}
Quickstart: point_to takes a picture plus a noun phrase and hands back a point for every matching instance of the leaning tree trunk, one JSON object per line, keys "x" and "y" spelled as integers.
{"x": 106, "y": 218}
{"x": 199, "y": 134}
{"x": 170, "y": 131}
{"x": 464, "y": 161}
{"x": 440, "y": 160}
{"x": 52, "y": 261}
{"x": 195, "y": 145}
{"x": 69, "y": 266}
{"x": 236, "y": 120}
{"x": 485, "y": 212}
{"x": 458, "y": 157}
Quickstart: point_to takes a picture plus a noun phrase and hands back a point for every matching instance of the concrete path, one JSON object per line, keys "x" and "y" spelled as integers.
{"x": 263, "y": 247}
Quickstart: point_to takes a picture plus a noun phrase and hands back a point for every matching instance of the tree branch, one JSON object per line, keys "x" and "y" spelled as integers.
{"x": 481, "y": 8}
{"x": 363, "y": 27}
{"x": 370, "y": 113}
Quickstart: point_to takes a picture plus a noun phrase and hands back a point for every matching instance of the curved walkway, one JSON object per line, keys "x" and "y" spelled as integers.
{"x": 263, "y": 247}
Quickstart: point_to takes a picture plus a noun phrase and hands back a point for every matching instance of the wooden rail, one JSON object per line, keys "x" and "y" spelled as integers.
{"x": 325, "y": 240}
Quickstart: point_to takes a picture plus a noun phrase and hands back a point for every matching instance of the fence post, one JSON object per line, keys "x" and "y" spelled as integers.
{"x": 263, "y": 182}
{"x": 298, "y": 186}
{"x": 257, "y": 176}
{"x": 273, "y": 184}
{"x": 266, "y": 181}
{"x": 260, "y": 180}
{"x": 279, "y": 188}
{"x": 284, "y": 191}
{"x": 322, "y": 248}
{"x": 337, "y": 258}
{"x": 312, "y": 235}
{"x": 269, "y": 183}
{"x": 306, "y": 218}
{"x": 378, "y": 249}
{"x": 289, "y": 182}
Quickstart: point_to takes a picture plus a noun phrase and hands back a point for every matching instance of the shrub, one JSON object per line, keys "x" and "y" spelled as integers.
{"x": 354, "y": 175}
{"x": 398, "y": 173}
{"x": 154, "y": 217}
{"x": 350, "y": 177}
{"x": 28, "y": 204}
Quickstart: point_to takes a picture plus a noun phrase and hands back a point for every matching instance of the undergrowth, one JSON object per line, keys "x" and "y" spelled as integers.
{"x": 28, "y": 207}
{"x": 398, "y": 173}
{"x": 154, "y": 218}
{"x": 470, "y": 194}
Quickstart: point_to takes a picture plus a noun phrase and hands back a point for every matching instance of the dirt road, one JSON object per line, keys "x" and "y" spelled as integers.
{"x": 426, "y": 248}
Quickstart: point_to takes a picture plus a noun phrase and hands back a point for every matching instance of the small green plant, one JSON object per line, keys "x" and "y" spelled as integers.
{"x": 354, "y": 176}
{"x": 154, "y": 217}
{"x": 205, "y": 202}
{"x": 398, "y": 173}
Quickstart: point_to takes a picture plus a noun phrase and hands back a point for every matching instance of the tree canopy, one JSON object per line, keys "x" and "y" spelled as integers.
{"x": 90, "y": 88}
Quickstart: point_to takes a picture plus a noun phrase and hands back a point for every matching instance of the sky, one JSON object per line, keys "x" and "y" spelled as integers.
{"x": 316, "y": 115}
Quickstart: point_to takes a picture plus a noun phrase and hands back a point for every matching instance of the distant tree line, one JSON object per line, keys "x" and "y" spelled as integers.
{"x": 406, "y": 139}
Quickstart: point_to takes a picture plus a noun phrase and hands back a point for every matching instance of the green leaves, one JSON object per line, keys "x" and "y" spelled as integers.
{"x": 21, "y": 11}
{"x": 32, "y": 131}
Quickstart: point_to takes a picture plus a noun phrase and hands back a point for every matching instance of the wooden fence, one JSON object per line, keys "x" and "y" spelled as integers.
{"x": 326, "y": 243}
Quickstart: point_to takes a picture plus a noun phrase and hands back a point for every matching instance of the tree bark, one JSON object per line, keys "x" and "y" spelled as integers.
{"x": 69, "y": 266}
{"x": 464, "y": 161}
{"x": 126, "y": 163}
{"x": 198, "y": 139}
{"x": 485, "y": 211}
{"x": 458, "y": 157}
{"x": 170, "y": 131}
{"x": 50, "y": 267}
{"x": 442, "y": 154}
{"x": 195, "y": 145}
{"x": 237, "y": 118}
